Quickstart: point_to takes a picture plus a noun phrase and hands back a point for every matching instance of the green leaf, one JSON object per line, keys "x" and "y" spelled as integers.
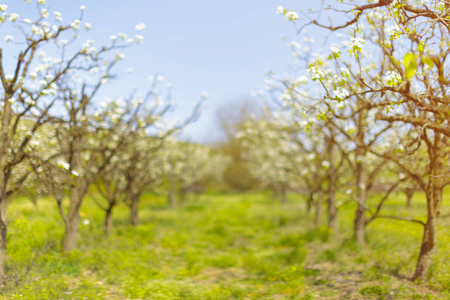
{"x": 421, "y": 46}
{"x": 410, "y": 63}
{"x": 427, "y": 60}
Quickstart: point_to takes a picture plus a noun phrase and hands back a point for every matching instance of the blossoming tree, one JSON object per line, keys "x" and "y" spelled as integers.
{"x": 401, "y": 77}
{"x": 29, "y": 95}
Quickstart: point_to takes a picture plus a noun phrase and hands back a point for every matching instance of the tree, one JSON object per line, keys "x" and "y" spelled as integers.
{"x": 133, "y": 160}
{"x": 270, "y": 152}
{"x": 29, "y": 96}
{"x": 77, "y": 135}
{"x": 403, "y": 78}
{"x": 231, "y": 117}
{"x": 190, "y": 167}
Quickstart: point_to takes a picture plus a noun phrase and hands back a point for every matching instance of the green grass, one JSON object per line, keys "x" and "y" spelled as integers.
{"x": 222, "y": 247}
{"x": 379, "y": 270}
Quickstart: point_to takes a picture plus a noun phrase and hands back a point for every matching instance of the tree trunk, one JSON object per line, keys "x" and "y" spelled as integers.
{"x": 34, "y": 200}
{"x": 409, "y": 196}
{"x": 332, "y": 181}
{"x": 426, "y": 250}
{"x": 437, "y": 179}
{"x": 71, "y": 234}
{"x": 4, "y": 178}
{"x": 134, "y": 208}
{"x": 309, "y": 203}
{"x": 319, "y": 206}
{"x": 3, "y": 251}
{"x": 360, "y": 221}
{"x": 108, "y": 220}
{"x": 172, "y": 200}
{"x": 283, "y": 197}
{"x": 73, "y": 217}
{"x": 434, "y": 201}
{"x": 3, "y": 237}
{"x": 360, "y": 174}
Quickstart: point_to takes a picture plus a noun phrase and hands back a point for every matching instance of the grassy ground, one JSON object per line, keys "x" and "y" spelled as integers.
{"x": 220, "y": 247}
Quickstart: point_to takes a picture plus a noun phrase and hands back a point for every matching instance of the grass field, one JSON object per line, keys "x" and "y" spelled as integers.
{"x": 241, "y": 246}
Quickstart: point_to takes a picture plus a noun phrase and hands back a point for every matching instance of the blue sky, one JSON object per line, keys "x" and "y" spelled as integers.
{"x": 222, "y": 47}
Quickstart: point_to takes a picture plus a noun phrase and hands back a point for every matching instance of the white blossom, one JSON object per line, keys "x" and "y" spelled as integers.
{"x": 295, "y": 45}
{"x": 393, "y": 31}
{"x": 139, "y": 38}
{"x": 335, "y": 49}
{"x": 30, "y": 101}
{"x": 355, "y": 42}
{"x": 62, "y": 42}
{"x": 45, "y": 25}
{"x": 75, "y": 24}
{"x": 280, "y": 10}
{"x": 120, "y": 56}
{"x": 392, "y": 78}
{"x": 341, "y": 93}
{"x": 315, "y": 74}
{"x": 122, "y": 36}
{"x": 36, "y": 30}
{"x": 58, "y": 16}
{"x": 292, "y": 16}
{"x": 326, "y": 164}
{"x": 140, "y": 26}
{"x": 64, "y": 165}
{"x": 44, "y": 13}
{"x": 13, "y": 17}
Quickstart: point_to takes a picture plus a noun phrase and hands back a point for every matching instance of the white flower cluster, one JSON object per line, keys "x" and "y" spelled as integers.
{"x": 13, "y": 17}
{"x": 289, "y": 14}
{"x": 141, "y": 26}
{"x": 335, "y": 49}
{"x": 354, "y": 43}
{"x": 393, "y": 31}
{"x": 341, "y": 93}
{"x": 58, "y": 16}
{"x": 315, "y": 73}
{"x": 392, "y": 78}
